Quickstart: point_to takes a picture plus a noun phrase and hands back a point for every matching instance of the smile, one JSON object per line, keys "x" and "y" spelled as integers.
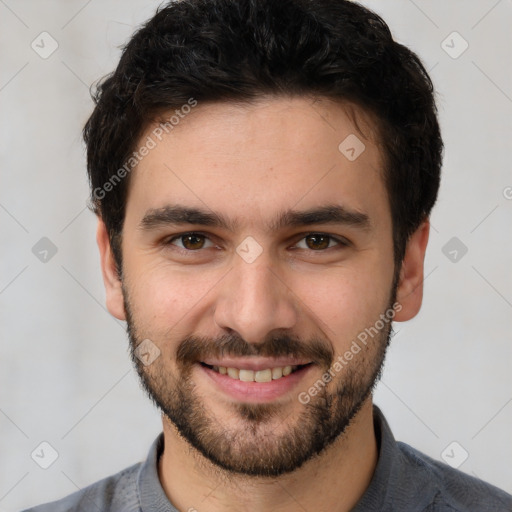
{"x": 253, "y": 379}
{"x": 264, "y": 375}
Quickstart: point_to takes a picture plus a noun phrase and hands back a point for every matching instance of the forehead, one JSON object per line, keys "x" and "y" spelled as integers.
{"x": 249, "y": 162}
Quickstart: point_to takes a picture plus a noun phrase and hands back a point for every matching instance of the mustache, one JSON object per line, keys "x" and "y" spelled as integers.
{"x": 197, "y": 348}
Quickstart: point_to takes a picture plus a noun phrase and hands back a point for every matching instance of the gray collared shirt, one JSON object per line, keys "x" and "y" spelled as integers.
{"x": 405, "y": 480}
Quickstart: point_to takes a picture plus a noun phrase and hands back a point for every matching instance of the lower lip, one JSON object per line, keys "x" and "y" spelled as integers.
{"x": 255, "y": 391}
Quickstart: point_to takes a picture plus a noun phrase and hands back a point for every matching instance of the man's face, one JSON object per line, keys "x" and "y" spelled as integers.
{"x": 259, "y": 296}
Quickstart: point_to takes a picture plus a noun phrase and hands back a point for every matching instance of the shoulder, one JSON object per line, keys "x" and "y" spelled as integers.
{"x": 116, "y": 493}
{"x": 453, "y": 490}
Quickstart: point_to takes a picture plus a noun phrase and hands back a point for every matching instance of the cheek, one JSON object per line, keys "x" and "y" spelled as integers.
{"x": 164, "y": 299}
{"x": 343, "y": 302}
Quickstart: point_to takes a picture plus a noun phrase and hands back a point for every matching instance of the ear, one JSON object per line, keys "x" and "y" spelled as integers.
{"x": 410, "y": 286}
{"x": 115, "y": 303}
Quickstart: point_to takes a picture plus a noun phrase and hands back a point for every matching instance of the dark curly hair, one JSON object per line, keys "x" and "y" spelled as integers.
{"x": 240, "y": 50}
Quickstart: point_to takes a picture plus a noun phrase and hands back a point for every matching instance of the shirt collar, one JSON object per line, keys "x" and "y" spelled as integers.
{"x": 395, "y": 485}
{"x": 386, "y": 478}
{"x": 151, "y": 494}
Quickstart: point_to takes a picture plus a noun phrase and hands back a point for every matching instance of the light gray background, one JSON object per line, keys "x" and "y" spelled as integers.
{"x": 65, "y": 373}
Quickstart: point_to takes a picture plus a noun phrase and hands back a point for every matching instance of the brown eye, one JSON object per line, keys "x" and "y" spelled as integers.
{"x": 320, "y": 242}
{"x": 190, "y": 241}
{"x": 317, "y": 241}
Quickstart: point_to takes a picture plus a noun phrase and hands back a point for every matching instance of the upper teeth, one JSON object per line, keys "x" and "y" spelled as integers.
{"x": 256, "y": 376}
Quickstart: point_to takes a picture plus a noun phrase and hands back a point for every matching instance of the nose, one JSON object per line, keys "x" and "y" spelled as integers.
{"x": 254, "y": 300}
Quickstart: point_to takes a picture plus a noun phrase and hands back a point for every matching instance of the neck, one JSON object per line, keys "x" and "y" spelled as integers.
{"x": 335, "y": 480}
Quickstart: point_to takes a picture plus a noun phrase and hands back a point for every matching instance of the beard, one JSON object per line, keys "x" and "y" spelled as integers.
{"x": 260, "y": 440}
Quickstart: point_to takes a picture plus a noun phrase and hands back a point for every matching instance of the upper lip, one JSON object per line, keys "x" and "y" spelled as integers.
{"x": 254, "y": 363}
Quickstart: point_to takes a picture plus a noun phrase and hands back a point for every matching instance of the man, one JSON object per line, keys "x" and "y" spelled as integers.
{"x": 263, "y": 174}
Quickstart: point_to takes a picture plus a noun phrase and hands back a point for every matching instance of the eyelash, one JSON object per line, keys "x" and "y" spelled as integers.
{"x": 341, "y": 242}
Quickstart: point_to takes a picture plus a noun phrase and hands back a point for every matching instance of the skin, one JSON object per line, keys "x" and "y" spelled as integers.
{"x": 250, "y": 163}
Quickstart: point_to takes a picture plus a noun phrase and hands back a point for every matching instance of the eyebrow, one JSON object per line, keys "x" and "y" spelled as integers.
{"x": 330, "y": 214}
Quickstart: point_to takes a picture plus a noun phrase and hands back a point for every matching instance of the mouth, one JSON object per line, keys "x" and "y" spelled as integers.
{"x": 248, "y": 375}
{"x": 253, "y": 380}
